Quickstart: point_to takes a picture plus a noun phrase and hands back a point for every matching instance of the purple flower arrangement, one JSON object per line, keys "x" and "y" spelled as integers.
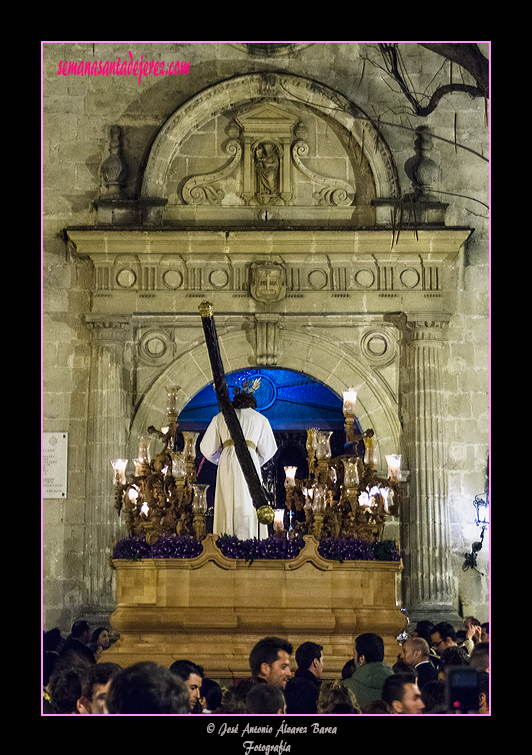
{"x": 268, "y": 548}
{"x": 332, "y": 549}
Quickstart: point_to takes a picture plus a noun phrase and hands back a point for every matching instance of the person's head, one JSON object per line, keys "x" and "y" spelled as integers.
{"x": 376, "y": 708}
{"x": 265, "y": 698}
{"x": 81, "y": 631}
{"x": 452, "y": 656}
{"x": 270, "y": 660}
{"x": 480, "y": 656}
{"x": 52, "y": 640}
{"x": 369, "y": 648}
{"x": 147, "y": 688}
{"x": 96, "y": 688}
{"x": 485, "y": 632}
{"x": 402, "y": 667}
{"x": 210, "y": 694}
{"x": 415, "y": 650}
{"x": 470, "y": 621}
{"x": 433, "y": 696}
{"x": 334, "y": 695}
{"x": 101, "y": 636}
{"x": 483, "y": 692}
{"x": 423, "y": 626}
{"x": 442, "y": 636}
{"x": 349, "y": 669}
{"x": 401, "y": 693}
{"x": 244, "y": 400}
{"x": 191, "y": 675}
{"x": 309, "y": 657}
{"x": 65, "y": 689}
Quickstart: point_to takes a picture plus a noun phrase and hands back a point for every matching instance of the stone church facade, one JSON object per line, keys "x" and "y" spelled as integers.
{"x": 336, "y": 235}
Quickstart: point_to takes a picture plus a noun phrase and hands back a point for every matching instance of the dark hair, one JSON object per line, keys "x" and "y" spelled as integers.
{"x": 306, "y": 653}
{"x": 453, "y": 656}
{"x": 101, "y": 673}
{"x": 376, "y": 707}
{"x": 480, "y": 656}
{"x": 79, "y": 628}
{"x": 267, "y": 651}
{"x": 343, "y": 709}
{"x": 402, "y": 667}
{"x": 51, "y": 639}
{"x": 244, "y": 400}
{"x": 147, "y": 688}
{"x": 212, "y": 692}
{"x": 348, "y": 669}
{"x": 445, "y": 630}
{"x": 371, "y": 646}
{"x": 393, "y": 687}
{"x": 97, "y": 633}
{"x": 265, "y": 698}
{"x": 484, "y": 685}
{"x": 65, "y": 689}
{"x": 433, "y": 696}
{"x": 183, "y": 669}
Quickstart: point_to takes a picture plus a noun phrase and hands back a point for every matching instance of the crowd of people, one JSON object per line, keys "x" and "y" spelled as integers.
{"x": 438, "y": 671}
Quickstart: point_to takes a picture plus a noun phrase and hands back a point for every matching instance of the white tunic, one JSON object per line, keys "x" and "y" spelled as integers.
{"x": 234, "y": 513}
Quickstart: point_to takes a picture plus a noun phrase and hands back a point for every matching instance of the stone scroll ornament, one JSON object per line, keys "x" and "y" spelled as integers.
{"x": 265, "y": 513}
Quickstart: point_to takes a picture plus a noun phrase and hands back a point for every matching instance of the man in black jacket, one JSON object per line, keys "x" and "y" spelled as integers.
{"x": 301, "y": 692}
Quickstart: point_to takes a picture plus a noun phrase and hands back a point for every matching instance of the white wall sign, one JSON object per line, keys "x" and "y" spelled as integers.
{"x": 54, "y": 465}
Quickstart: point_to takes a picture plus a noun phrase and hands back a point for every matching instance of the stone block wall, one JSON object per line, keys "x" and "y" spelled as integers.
{"x": 78, "y": 113}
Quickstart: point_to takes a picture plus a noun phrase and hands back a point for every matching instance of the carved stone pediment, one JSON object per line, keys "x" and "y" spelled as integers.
{"x": 268, "y": 149}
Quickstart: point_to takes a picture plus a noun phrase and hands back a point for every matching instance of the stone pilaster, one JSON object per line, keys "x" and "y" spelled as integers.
{"x": 108, "y": 420}
{"x": 427, "y": 580}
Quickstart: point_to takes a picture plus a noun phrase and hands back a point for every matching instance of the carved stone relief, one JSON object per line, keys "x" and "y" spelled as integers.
{"x": 268, "y": 147}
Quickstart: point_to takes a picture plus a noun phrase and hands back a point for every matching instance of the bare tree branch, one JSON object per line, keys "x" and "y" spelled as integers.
{"x": 466, "y": 55}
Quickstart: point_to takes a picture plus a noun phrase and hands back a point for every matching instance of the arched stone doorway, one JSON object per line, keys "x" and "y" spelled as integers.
{"x": 292, "y": 402}
{"x": 314, "y": 357}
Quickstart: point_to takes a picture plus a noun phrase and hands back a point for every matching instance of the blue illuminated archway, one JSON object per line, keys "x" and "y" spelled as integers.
{"x": 290, "y": 400}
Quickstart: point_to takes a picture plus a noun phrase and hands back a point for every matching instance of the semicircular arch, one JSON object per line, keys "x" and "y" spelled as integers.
{"x": 262, "y": 87}
{"x": 303, "y": 353}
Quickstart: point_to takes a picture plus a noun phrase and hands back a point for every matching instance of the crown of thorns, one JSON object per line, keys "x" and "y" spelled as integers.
{"x": 247, "y": 386}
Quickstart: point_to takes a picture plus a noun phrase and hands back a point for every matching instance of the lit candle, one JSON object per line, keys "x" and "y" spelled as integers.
{"x": 351, "y": 476}
{"x": 290, "y": 473}
{"x": 144, "y": 449}
{"x": 278, "y": 520}
{"x": 370, "y": 455}
{"x": 190, "y": 439}
{"x": 119, "y": 467}
{"x": 350, "y": 400}
{"x": 320, "y": 500}
{"x": 199, "y": 503}
{"x": 394, "y": 466}
{"x": 312, "y": 440}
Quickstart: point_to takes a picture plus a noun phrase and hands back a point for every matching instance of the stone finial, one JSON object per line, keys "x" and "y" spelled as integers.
{"x": 113, "y": 170}
{"x": 420, "y": 169}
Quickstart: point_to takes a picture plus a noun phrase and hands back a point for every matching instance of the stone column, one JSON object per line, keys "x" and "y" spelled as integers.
{"x": 427, "y": 579}
{"x": 108, "y": 421}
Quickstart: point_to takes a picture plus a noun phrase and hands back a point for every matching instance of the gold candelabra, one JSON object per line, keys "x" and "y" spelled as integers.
{"x": 343, "y": 496}
{"x": 162, "y": 497}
